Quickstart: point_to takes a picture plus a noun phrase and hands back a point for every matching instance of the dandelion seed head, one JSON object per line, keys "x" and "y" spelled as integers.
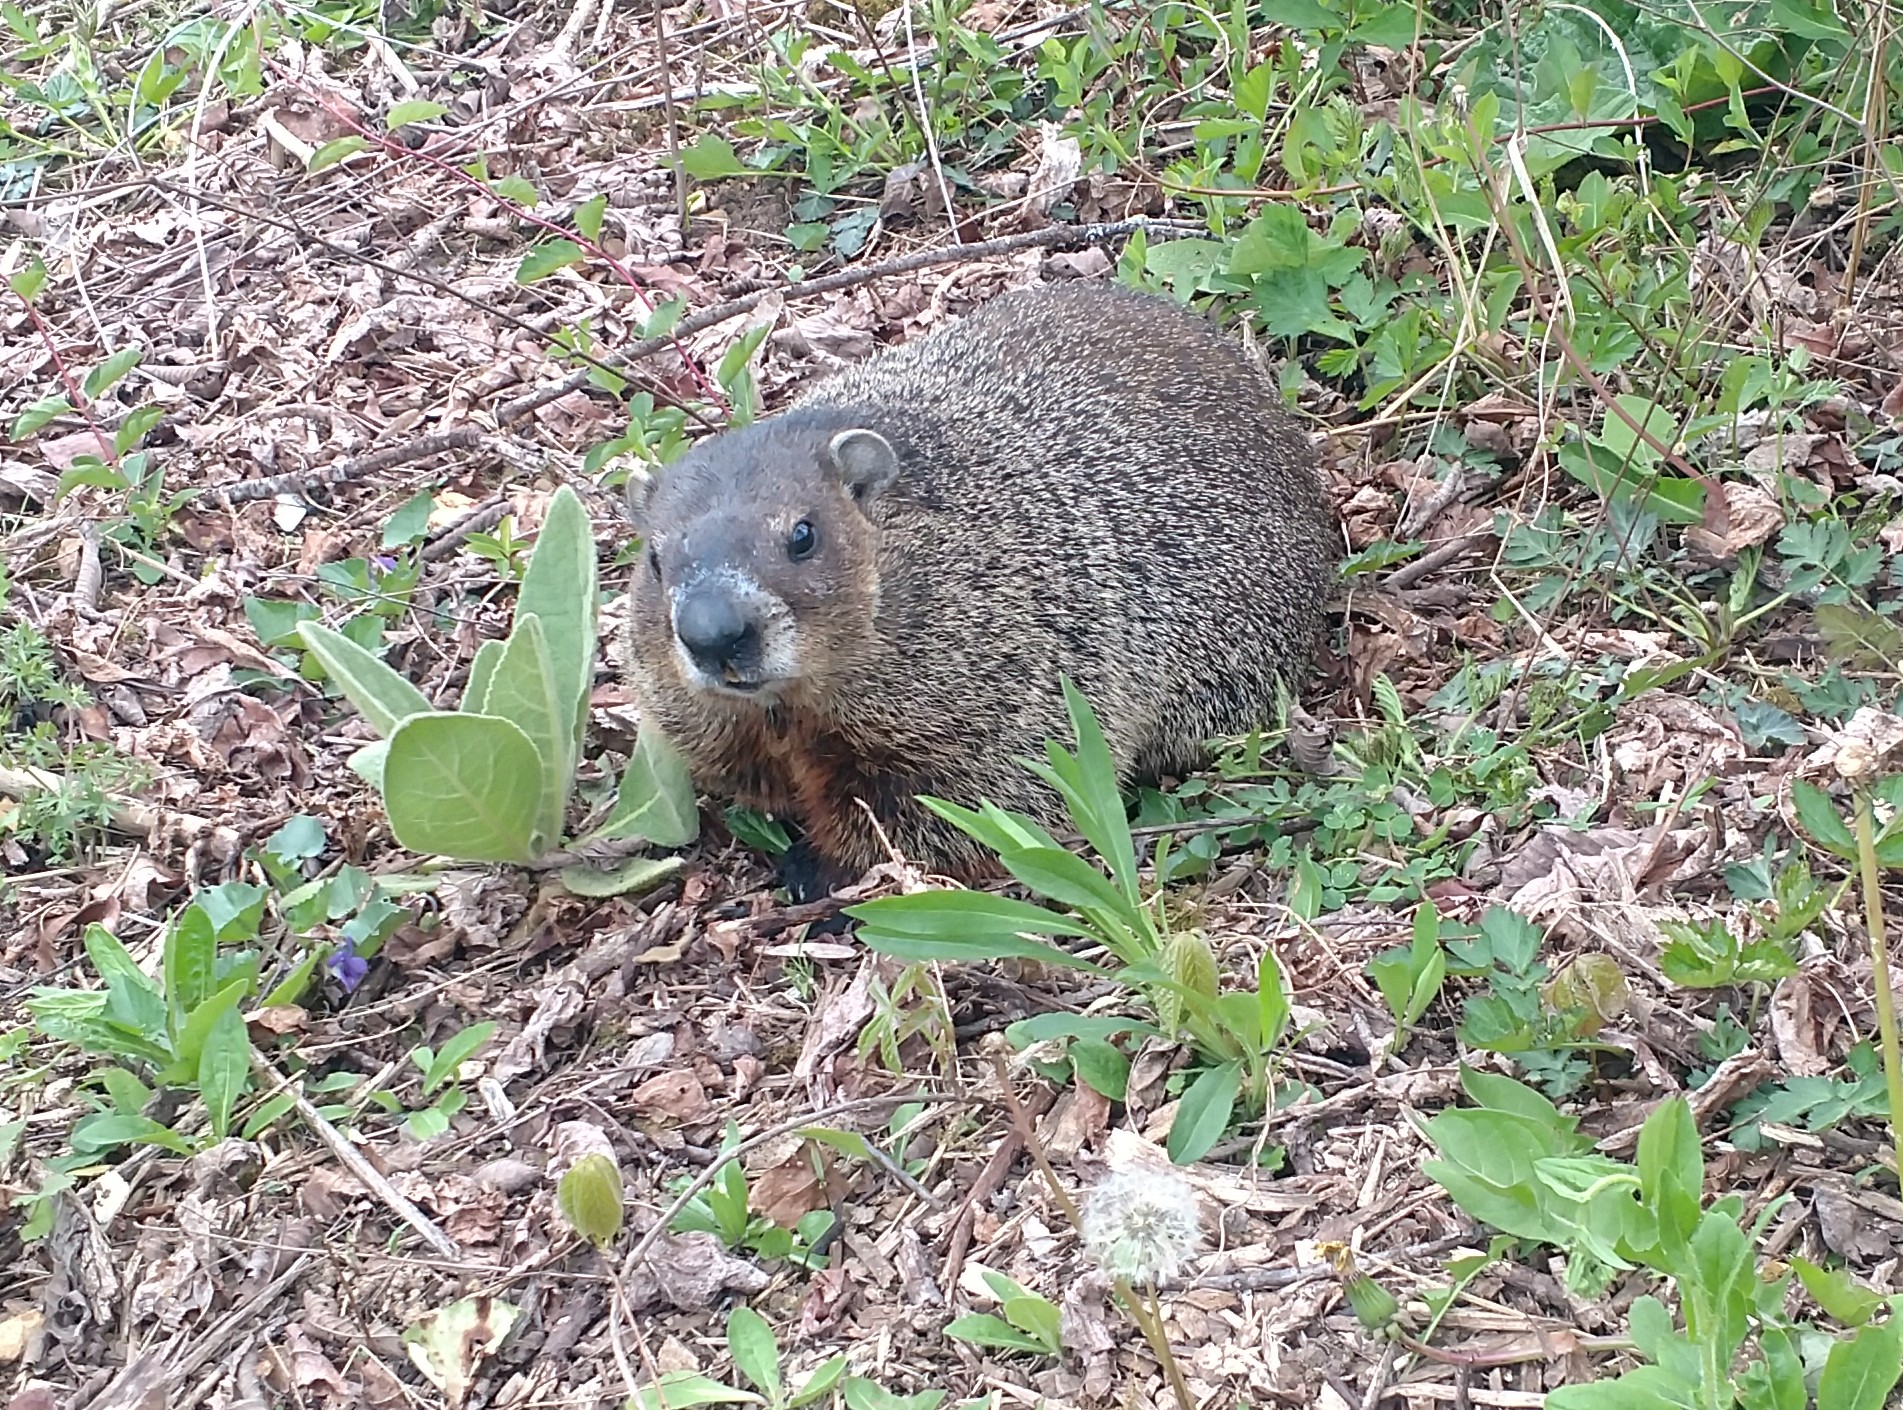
{"x": 1141, "y": 1224}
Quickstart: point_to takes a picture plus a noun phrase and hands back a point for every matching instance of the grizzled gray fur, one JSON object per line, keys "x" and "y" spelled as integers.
{"x": 872, "y": 594}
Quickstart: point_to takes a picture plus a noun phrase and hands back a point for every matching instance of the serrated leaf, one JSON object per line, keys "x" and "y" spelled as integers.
{"x": 1821, "y": 820}
{"x": 331, "y": 153}
{"x": 712, "y": 159}
{"x": 384, "y": 698}
{"x": 414, "y": 110}
{"x": 546, "y": 258}
{"x": 463, "y": 786}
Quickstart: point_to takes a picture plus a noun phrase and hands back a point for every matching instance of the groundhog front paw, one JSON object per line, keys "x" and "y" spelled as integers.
{"x": 807, "y": 876}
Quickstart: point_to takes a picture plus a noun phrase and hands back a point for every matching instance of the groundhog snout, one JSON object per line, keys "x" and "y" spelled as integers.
{"x": 719, "y": 634}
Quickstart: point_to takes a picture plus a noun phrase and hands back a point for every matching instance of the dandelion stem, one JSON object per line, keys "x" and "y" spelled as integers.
{"x": 1880, "y": 970}
{"x": 1149, "y": 1320}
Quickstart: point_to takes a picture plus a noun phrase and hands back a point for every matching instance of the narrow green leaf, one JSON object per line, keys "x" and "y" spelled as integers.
{"x": 482, "y": 670}
{"x": 189, "y": 1049}
{"x": 657, "y": 801}
{"x": 1203, "y": 1113}
{"x": 1064, "y": 877}
{"x": 385, "y": 698}
{"x": 561, "y": 586}
{"x": 188, "y": 961}
{"x": 463, "y": 786}
{"x": 224, "y": 1068}
{"x": 525, "y": 691}
{"x": 331, "y": 153}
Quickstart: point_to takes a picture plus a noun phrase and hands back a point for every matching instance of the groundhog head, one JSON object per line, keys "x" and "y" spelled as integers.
{"x": 760, "y": 571}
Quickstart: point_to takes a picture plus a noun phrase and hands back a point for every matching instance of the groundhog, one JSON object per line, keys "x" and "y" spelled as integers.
{"x": 873, "y": 594}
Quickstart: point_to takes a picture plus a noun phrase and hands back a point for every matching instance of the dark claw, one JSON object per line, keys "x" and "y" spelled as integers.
{"x": 807, "y": 876}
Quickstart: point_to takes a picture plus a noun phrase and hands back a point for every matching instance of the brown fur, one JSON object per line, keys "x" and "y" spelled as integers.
{"x": 1089, "y": 481}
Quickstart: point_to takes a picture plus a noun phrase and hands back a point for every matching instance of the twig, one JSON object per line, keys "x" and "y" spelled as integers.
{"x": 127, "y": 815}
{"x": 233, "y": 492}
{"x": 1438, "y": 556}
{"x": 356, "y": 1163}
{"x": 1056, "y": 235}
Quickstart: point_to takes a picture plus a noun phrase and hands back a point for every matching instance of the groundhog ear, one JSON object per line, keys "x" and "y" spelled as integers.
{"x": 866, "y": 463}
{"x": 640, "y": 493}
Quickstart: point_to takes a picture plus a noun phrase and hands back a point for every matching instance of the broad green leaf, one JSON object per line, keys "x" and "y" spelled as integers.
{"x": 224, "y": 1068}
{"x": 482, "y": 669}
{"x": 196, "y": 1033}
{"x": 331, "y": 153}
{"x": 757, "y": 1355}
{"x": 463, "y": 786}
{"x": 456, "y": 1050}
{"x": 1047, "y": 1026}
{"x": 1839, "y": 1294}
{"x": 107, "y": 373}
{"x": 819, "y": 1383}
{"x": 712, "y": 159}
{"x": 1203, "y": 1113}
{"x": 1066, "y": 878}
{"x": 656, "y": 802}
{"x": 982, "y": 1329}
{"x": 1497, "y": 1092}
{"x": 189, "y": 960}
{"x": 526, "y": 692}
{"x": 1644, "y": 1388}
{"x": 367, "y": 763}
{"x": 544, "y": 259}
{"x": 1860, "y": 1372}
{"x": 115, "y": 964}
{"x": 107, "y": 1130}
{"x": 1672, "y": 1173}
{"x": 678, "y": 1390}
{"x": 385, "y": 698}
{"x": 1101, "y": 1067}
{"x": 629, "y": 878}
{"x": 560, "y": 586}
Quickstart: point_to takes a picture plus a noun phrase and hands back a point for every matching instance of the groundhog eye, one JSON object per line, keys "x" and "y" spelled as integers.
{"x": 802, "y": 541}
{"x": 654, "y": 563}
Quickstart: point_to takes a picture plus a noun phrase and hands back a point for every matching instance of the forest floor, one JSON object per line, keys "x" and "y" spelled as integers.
{"x": 297, "y": 307}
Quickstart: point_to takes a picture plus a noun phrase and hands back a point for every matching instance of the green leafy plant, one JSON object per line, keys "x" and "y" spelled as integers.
{"x": 1514, "y": 1162}
{"x": 1234, "y": 1033}
{"x": 1030, "y": 1322}
{"x": 723, "y": 1208}
{"x": 756, "y": 1356}
{"x": 491, "y": 781}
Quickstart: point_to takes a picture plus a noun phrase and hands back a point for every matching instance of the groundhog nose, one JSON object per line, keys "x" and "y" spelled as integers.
{"x": 713, "y": 629}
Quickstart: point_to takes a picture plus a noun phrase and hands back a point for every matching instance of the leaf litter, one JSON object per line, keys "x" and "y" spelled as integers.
{"x": 264, "y": 1270}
